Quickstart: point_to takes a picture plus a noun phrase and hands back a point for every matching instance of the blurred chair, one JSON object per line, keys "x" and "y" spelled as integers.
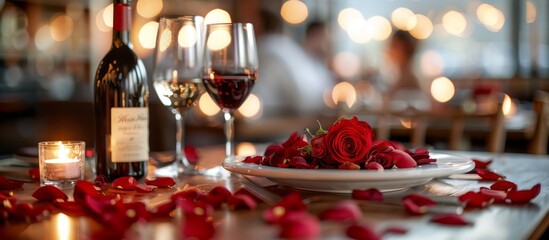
{"x": 497, "y": 133}
{"x": 417, "y": 120}
{"x": 540, "y": 134}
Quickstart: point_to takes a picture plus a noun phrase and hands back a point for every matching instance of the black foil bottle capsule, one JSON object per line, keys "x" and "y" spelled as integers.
{"x": 121, "y": 96}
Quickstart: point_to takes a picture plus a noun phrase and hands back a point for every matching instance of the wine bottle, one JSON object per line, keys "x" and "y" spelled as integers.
{"x": 121, "y": 98}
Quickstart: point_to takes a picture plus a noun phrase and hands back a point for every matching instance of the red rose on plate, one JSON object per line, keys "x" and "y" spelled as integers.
{"x": 318, "y": 146}
{"x": 349, "y": 140}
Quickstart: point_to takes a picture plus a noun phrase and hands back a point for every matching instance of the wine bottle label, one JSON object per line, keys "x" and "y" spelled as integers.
{"x": 130, "y": 134}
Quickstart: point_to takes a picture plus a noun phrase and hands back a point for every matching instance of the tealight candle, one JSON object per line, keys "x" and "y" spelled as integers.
{"x": 61, "y": 163}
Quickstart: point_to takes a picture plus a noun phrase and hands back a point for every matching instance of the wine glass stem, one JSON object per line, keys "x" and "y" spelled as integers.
{"x": 229, "y": 133}
{"x": 179, "y": 140}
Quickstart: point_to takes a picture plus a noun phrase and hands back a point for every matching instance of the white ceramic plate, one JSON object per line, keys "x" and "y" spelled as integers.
{"x": 334, "y": 180}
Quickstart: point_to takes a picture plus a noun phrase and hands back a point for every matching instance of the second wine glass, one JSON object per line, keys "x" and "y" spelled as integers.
{"x": 230, "y": 71}
{"x": 177, "y": 73}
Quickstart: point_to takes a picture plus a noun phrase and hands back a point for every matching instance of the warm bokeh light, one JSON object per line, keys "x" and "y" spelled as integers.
{"x": 100, "y": 22}
{"x": 346, "y": 64}
{"x": 165, "y": 39}
{"x": 492, "y": 18}
{"x": 401, "y": 16}
{"x": 43, "y": 39}
{"x": 64, "y": 227}
{"x": 207, "y": 105}
{"x": 348, "y": 16}
{"x": 432, "y": 63}
{"x": 149, "y": 8}
{"x": 531, "y": 12}
{"x": 61, "y": 27}
{"x": 358, "y": 31}
{"x": 217, "y": 16}
{"x": 454, "y": 23}
{"x": 187, "y": 36}
{"x": 442, "y": 89}
{"x": 406, "y": 122}
{"x": 219, "y": 39}
{"x": 344, "y": 92}
{"x": 423, "y": 27}
{"x": 246, "y": 149}
{"x": 508, "y": 107}
{"x": 294, "y": 11}
{"x": 108, "y": 15}
{"x": 147, "y": 35}
{"x": 379, "y": 27}
{"x": 251, "y": 108}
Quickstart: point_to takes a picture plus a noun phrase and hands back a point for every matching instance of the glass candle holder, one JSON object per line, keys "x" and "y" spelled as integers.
{"x": 61, "y": 162}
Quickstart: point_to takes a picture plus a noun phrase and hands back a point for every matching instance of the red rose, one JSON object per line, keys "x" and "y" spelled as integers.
{"x": 349, "y": 140}
{"x": 387, "y": 156}
{"x": 318, "y": 146}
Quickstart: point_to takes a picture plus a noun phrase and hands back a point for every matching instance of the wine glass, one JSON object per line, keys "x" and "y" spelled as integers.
{"x": 177, "y": 72}
{"x": 230, "y": 71}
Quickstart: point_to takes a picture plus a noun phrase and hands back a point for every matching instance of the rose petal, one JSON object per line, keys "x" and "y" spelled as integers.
{"x": 346, "y": 210}
{"x": 361, "y": 232}
{"x": 349, "y": 166}
{"x": 524, "y": 196}
{"x": 476, "y": 199}
{"x": 217, "y": 196}
{"x": 161, "y": 182}
{"x": 504, "y": 186}
{"x": 450, "y": 219}
{"x": 299, "y": 162}
{"x": 70, "y": 208}
{"x": 195, "y": 208}
{"x": 424, "y": 161}
{"x": 187, "y": 194}
{"x": 49, "y": 193}
{"x": 135, "y": 211}
{"x": 6, "y": 184}
{"x": 124, "y": 183}
{"x": 291, "y": 203}
{"x": 489, "y": 175}
{"x": 144, "y": 188}
{"x": 254, "y": 160}
{"x": 242, "y": 201}
{"x": 164, "y": 210}
{"x": 479, "y": 164}
{"x": 417, "y": 204}
{"x": 304, "y": 227}
{"x": 100, "y": 180}
{"x": 420, "y": 200}
{"x": 403, "y": 160}
{"x": 82, "y": 189}
{"x": 34, "y": 174}
{"x": 371, "y": 194}
{"x": 196, "y": 227}
{"x": 244, "y": 191}
{"x": 374, "y": 166}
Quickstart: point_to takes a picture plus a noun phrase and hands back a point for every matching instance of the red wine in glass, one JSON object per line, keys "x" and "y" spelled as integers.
{"x": 229, "y": 90}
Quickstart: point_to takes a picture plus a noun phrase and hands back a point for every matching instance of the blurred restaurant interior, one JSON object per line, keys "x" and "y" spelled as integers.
{"x": 467, "y": 75}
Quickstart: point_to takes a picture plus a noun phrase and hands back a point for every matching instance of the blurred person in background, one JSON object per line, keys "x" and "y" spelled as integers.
{"x": 290, "y": 82}
{"x": 404, "y": 89}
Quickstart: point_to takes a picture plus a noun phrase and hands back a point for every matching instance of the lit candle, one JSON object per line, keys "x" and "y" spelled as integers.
{"x": 61, "y": 163}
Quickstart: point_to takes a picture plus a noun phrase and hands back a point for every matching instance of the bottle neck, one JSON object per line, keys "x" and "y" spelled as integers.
{"x": 122, "y": 18}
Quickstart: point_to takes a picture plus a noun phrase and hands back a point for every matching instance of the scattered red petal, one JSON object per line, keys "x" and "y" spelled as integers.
{"x": 70, "y": 208}
{"x": 124, "y": 183}
{"x": 144, "y": 188}
{"x": 371, "y": 194}
{"x": 417, "y": 204}
{"x": 82, "y": 189}
{"x": 34, "y": 174}
{"x": 245, "y": 191}
{"x": 254, "y": 160}
{"x": 100, "y": 180}
{"x": 6, "y": 184}
{"x": 164, "y": 210}
{"x": 524, "y": 196}
{"x": 191, "y": 154}
{"x": 424, "y": 161}
{"x": 361, "y": 232}
{"x": 197, "y": 227}
{"x": 346, "y": 210}
{"x": 450, "y": 219}
{"x": 304, "y": 227}
{"x": 161, "y": 182}
{"x": 242, "y": 201}
{"x": 187, "y": 194}
{"x": 49, "y": 193}
{"x": 503, "y": 185}
{"x": 476, "y": 199}
{"x": 479, "y": 164}
{"x": 497, "y": 195}
{"x": 487, "y": 175}
{"x": 290, "y": 204}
